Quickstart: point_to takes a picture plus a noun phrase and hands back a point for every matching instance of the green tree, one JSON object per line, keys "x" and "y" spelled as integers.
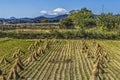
{"x": 66, "y": 23}
{"x": 45, "y": 20}
{"x": 82, "y": 18}
{"x": 108, "y": 21}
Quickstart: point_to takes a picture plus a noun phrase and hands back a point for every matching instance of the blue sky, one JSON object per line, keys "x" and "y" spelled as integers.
{"x": 33, "y": 8}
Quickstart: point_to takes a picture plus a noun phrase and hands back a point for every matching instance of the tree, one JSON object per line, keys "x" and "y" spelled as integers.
{"x": 108, "y": 21}
{"x": 45, "y": 20}
{"x": 82, "y": 18}
{"x": 66, "y": 23}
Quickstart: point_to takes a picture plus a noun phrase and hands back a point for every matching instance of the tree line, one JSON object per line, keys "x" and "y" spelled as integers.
{"x": 85, "y": 18}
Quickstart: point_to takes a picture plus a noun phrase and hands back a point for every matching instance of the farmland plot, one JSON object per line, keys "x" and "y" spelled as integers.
{"x": 62, "y": 59}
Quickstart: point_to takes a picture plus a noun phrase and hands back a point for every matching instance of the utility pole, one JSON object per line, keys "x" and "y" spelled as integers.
{"x": 102, "y": 8}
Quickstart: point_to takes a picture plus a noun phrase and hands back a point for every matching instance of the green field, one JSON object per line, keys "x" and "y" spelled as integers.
{"x": 63, "y": 60}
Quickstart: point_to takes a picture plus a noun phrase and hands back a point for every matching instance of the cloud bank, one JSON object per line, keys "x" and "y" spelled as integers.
{"x": 57, "y": 11}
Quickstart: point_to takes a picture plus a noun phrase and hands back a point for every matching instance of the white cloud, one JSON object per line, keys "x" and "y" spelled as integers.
{"x": 43, "y": 12}
{"x": 60, "y": 10}
{"x": 56, "y": 11}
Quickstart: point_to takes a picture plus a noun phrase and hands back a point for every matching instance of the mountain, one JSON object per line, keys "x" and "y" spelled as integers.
{"x": 59, "y": 17}
{"x": 25, "y": 19}
{"x": 96, "y": 16}
{"x": 49, "y": 16}
{"x": 40, "y": 18}
{"x": 13, "y": 18}
{"x": 2, "y": 18}
{"x": 52, "y": 18}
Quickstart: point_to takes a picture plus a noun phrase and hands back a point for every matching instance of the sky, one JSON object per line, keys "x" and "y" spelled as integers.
{"x": 34, "y": 8}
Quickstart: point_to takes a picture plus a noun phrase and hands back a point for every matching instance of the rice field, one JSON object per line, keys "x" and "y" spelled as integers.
{"x": 58, "y": 59}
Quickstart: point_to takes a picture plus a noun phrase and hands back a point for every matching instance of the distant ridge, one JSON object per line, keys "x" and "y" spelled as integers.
{"x": 33, "y": 20}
